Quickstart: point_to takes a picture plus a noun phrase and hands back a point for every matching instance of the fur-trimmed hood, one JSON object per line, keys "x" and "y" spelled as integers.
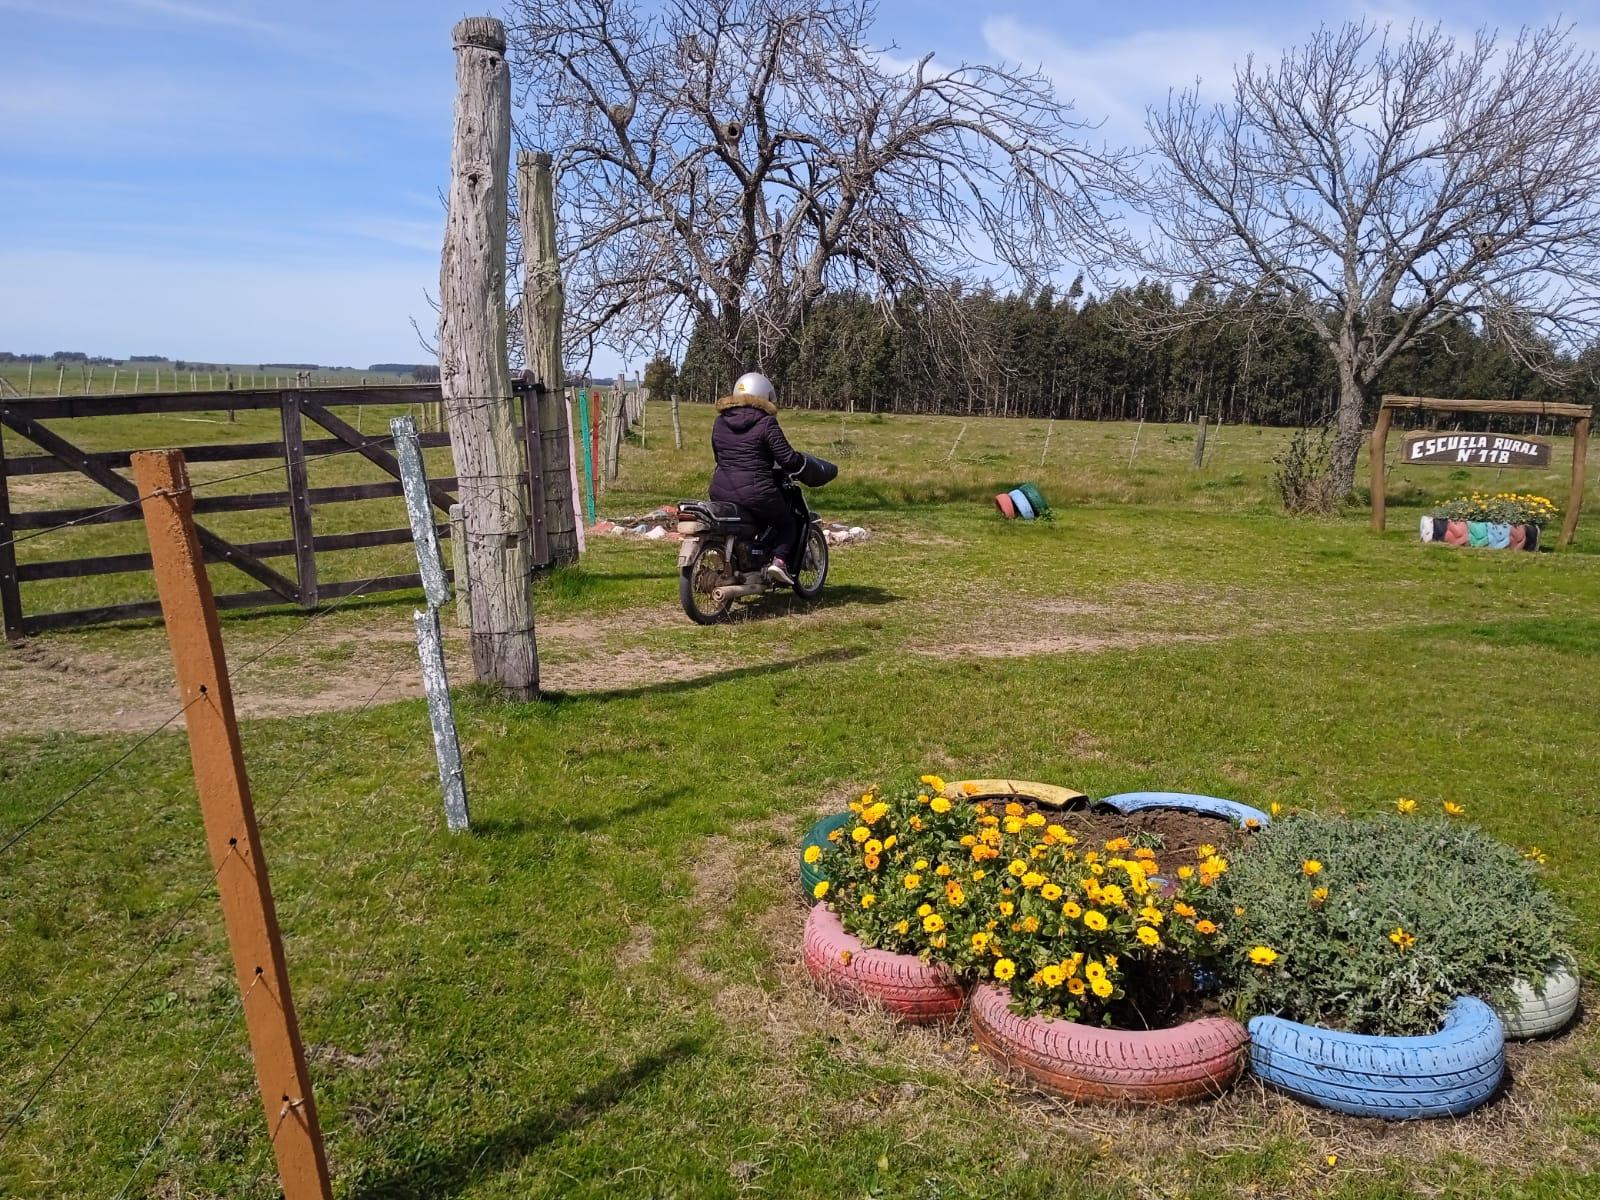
{"x": 756, "y": 402}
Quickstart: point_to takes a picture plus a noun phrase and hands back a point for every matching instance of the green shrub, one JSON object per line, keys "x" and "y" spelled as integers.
{"x": 1416, "y": 912}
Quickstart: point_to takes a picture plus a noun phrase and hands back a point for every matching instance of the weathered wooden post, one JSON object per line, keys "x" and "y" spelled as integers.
{"x": 1200, "y": 444}
{"x": 474, "y": 378}
{"x": 543, "y": 308}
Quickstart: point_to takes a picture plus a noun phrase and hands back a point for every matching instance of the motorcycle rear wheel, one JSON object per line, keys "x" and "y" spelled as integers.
{"x": 698, "y": 580}
{"x": 813, "y": 570}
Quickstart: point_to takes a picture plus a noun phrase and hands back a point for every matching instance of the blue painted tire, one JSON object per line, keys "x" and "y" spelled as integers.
{"x": 817, "y": 835}
{"x": 1443, "y": 1074}
{"x": 1499, "y": 535}
{"x": 1036, "y": 500}
{"x": 1127, "y": 802}
{"x": 1020, "y": 502}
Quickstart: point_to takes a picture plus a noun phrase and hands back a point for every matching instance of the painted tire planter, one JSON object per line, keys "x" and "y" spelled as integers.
{"x": 1007, "y": 509}
{"x": 1129, "y": 802}
{"x": 1537, "y": 1015}
{"x": 1036, "y": 499}
{"x": 817, "y": 835}
{"x": 1019, "y": 501}
{"x": 1442, "y": 1074}
{"x": 861, "y": 977}
{"x": 1193, "y": 1061}
{"x": 1046, "y": 795}
{"x": 1487, "y": 534}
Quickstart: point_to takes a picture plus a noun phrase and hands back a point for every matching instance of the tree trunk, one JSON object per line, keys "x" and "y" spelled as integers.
{"x": 474, "y": 378}
{"x": 543, "y": 307}
{"x": 1349, "y": 430}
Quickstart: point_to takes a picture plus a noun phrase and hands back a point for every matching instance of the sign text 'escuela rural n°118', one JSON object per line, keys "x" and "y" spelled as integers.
{"x": 1474, "y": 450}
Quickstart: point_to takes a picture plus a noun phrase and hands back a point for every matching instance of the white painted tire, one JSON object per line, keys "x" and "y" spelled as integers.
{"x": 1538, "y": 1016}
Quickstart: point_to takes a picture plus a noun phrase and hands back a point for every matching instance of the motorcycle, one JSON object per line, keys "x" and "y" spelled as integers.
{"x": 724, "y": 556}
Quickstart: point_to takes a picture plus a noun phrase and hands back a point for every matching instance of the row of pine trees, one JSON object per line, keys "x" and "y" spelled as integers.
{"x": 1041, "y": 355}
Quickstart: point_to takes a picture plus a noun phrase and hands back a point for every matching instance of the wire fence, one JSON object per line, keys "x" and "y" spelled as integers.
{"x": 328, "y": 754}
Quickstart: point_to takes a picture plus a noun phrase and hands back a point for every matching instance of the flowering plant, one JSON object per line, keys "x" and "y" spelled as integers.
{"x": 1078, "y": 930}
{"x": 1376, "y": 925}
{"x": 1501, "y": 508}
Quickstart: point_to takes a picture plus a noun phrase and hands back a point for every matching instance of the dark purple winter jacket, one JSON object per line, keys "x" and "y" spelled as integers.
{"x": 747, "y": 442}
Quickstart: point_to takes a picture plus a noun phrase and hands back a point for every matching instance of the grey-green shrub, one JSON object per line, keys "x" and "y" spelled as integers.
{"x": 1479, "y": 914}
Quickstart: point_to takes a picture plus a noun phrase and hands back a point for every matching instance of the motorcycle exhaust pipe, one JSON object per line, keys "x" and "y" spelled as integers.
{"x": 733, "y": 591}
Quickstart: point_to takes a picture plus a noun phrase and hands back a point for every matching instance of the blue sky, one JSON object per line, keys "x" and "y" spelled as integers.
{"x": 237, "y": 180}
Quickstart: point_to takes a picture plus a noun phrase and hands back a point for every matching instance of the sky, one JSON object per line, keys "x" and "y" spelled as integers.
{"x": 252, "y": 181}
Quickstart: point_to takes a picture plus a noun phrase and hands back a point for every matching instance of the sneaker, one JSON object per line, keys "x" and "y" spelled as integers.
{"x": 779, "y": 574}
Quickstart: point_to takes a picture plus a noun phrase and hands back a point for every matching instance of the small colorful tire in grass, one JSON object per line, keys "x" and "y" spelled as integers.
{"x": 1477, "y": 533}
{"x": 1036, "y": 499}
{"x": 817, "y": 835}
{"x": 1243, "y": 814}
{"x": 1519, "y": 536}
{"x": 1499, "y": 535}
{"x": 1007, "y": 509}
{"x": 1396, "y": 1078}
{"x": 861, "y": 977}
{"x": 1020, "y": 502}
{"x": 1456, "y": 533}
{"x": 1426, "y": 529}
{"x": 1545, "y": 1011}
{"x": 1193, "y": 1061}
{"x": 1045, "y": 795}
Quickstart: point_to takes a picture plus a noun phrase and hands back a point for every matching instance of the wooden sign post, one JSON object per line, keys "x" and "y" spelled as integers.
{"x": 190, "y": 611}
{"x": 1479, "y": 449}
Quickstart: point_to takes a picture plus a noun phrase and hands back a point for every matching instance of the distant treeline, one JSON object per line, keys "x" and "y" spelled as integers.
{"x": 1040, "y": 355}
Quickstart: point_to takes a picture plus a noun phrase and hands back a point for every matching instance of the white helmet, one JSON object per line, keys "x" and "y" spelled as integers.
{"x": 754, "y": 384}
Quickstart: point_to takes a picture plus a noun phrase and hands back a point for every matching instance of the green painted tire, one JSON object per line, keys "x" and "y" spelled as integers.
{"x": 1035, "y": 499}
{"x": 817, "y": 835}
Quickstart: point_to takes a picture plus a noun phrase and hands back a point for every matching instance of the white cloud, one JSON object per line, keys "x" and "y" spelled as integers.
{"x": 1113, "y": 79}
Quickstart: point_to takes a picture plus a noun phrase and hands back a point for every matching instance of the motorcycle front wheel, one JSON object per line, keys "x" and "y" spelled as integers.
{"x": 813, "y": 572}
{"x": 698, "y": 582}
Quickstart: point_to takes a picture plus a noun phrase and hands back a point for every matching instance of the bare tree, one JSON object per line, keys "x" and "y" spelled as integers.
{"x": 730, "y": 161}
{"x": 1378, "y": 187}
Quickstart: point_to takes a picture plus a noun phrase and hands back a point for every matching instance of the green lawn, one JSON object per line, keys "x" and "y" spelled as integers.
{"x": 598, "y": 991}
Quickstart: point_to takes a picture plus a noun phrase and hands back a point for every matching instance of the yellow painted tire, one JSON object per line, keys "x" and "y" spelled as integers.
{"x": 1046, "y": 794}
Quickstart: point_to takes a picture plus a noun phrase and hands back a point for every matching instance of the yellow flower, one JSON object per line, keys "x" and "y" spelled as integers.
{"x": 860, "y": 834}
{"x": 1151, "y": 913}
{"x": 1057, "y": 832}
{"x": 1112, "y": 894}
{"x": 1205, "y": 851}
{"x": 920, "y": 865}
{"x": 902, "y": 926}
{"x": 1012, "y": 825}
{"x": 1034, "y": 819}
{"x": 1052, "y": 976}
{"x": 1004, "y": 969}
{"x": 939, "y": 804}
{"x": 980, "y": 941}
{"x": 1252, "y": 823}
{"x": 1185, "y": 872}
{"x": 1454, "y": 809}
{"x": 942, "y": 870}
{"x": 924, "y": 909}
{"x": 1032, "y": 879}
{"x": 821, "y": 889}
{"x": 1006, "y": 908}
{"x": 845, "y": 956}
{"x": 1075, "y": 986}
{"x": 1310, "y": 867}
{"x": 969, "y": 788}
{"x": 1095, "y": 920}
{"x": 1101, "y": 988}
{"x": 917, "y": 823}
{"x": 1094, "y": 971}
{"x": 954, "y": 894}
{"x": 969, "y": 840}
{"x": 868, "y": 900}
{"x": 888, "y": 842}
{"x": 912, "y": 882}
{"x": 977, "y": 876}
{"x": 1148, "y": 935}
{"x": 1013, "y": 809}
{"x": 1071, "y": 910}
{"x": 836, "y": 835}
{"x": 1263, "y": 956}
{"x": 1051, "y": 892}
{"x": 1145, "y": 853}
{"x": 1401, "y": 938}
{"x": 1275, "y": 808}
{"x": 872, "y": 846}
{"x": 1030, "y": 924}
{"x": 1205, "y": 927}
{"x": 1405, "y": 805}
{"x": 933, "y": 922}
{"x": 1182, "y": 909}
{"x": 1534, "y": 854}
{"x": 934, "y": 782}
{"x": 813, "y": 852}
{"x": 1017, "y": 867}
{"x": 874, "y": 813}
{"x": 1318, "y": 895}
{"x": 871, "y": 862}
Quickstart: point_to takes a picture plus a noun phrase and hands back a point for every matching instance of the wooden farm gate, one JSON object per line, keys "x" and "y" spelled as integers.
{"x": 300, "y": 410}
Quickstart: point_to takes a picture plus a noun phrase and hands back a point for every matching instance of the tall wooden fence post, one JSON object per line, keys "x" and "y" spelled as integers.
{"x": 189, "y": 609}
{"x": 474, "y": 377}
{"x": 1580, "y": 457}
{"x": 543, "y": 309}
{"x": 1380, "y": 480}
{"x": 1200, "y": 444}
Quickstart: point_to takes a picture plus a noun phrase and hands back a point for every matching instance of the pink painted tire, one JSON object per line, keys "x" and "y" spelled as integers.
{"x": 860, "y": 977}
{"x": 1008, "y": 510}
{"x": 1194, "y": 1061}
{"x": 1456, "y": 533}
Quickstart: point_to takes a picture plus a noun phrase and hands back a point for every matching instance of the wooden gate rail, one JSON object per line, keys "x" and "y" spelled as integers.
{"x": 296, "y": 406}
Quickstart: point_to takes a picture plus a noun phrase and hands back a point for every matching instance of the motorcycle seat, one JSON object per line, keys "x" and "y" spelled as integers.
{"x": 722, "y": 514}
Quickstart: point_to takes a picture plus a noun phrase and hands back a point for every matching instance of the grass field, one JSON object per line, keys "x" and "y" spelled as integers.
{"x": 598, "y": 991}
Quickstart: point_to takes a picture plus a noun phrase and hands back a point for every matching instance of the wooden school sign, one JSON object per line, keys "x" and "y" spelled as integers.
{"x": 1473, "y": 450}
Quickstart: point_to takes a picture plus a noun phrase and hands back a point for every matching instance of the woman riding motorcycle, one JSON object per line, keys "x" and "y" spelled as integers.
{"x": 748, "y": 444}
